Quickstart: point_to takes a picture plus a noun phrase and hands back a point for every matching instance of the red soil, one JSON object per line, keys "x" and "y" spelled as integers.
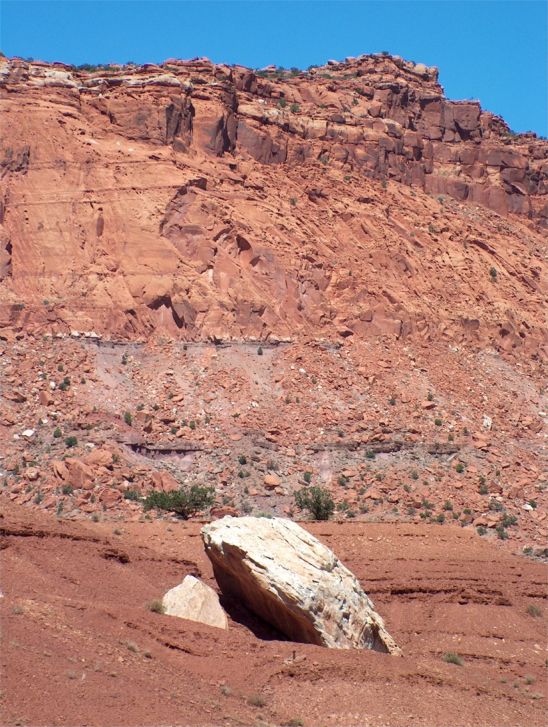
{"x": 80, "y": 646}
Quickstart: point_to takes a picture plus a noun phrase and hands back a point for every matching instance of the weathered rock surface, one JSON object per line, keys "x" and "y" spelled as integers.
{"x": 214, "y": 202}
{"x": 195, "y": 601}
{"x": 292, "y": 581}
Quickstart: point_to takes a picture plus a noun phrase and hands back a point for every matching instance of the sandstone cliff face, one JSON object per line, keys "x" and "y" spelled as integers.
{"x": 209, "y": 201}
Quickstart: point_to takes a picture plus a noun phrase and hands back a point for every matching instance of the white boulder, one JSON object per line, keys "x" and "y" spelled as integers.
{"x": 288, "y": 578}
{"x": 195, "y": 601}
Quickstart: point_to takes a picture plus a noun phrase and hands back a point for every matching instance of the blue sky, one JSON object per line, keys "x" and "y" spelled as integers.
{"x": 492, "y": 50}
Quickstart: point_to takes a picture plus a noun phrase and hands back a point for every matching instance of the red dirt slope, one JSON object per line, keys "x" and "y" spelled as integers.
{"x": 81, "y": 647}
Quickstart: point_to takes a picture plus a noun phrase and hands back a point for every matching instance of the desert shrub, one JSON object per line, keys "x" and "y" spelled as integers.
{"x": 534, "y": 611}
{"x": 57, "y": 432}
{"x": 317, "y": 501}
{"x": 67, "y": 489}
{"x": 508, "y": 520}
{"x": 459, "y": 468}
{"x": 260, "y": 351}
{"x": 496, "y": 506}
{"x": 242, "y": 459}
{"x": 307, "y": 477}
{"x": 294, "y": 108}
{"x": 156, "y": 606}
{"x": 438, "y": 422}
{"x": 132, "y": 495}
{"x": 255, "y": 700}
{"x": 183, "y": 502}
{"x": 282, "y": 103}
{"x": 71, "y": 441}
{"x": 451, "y": 658}
{"x": 128, "y": 418}
{"x": 493, "y": 274}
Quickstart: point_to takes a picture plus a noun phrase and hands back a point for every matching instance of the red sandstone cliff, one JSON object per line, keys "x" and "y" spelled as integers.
{"x": 213, "y": 202}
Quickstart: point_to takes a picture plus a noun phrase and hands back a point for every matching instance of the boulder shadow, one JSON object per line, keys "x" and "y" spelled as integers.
{"x": 239, "y": 613}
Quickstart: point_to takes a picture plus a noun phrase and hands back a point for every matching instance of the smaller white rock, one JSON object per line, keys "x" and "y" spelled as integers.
{"x": 195, "y": 601}
{"x": 28, "y": 433}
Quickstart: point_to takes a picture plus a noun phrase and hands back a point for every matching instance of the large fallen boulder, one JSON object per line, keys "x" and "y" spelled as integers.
{"x": 288, "y": 578}
{"x": 195, "y": 601}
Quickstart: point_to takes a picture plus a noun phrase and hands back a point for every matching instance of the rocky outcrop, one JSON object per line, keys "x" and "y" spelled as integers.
{"x": 212, "y": 202}
{"x": 195, "y": 601}
{"x": 292, "y": 581}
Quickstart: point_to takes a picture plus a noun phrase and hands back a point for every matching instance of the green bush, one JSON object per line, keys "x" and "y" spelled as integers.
{"x": 452, "y": 658}
{"x": 307, "y": 477}
{"x": 182, "y": 502}
{"x": 132, "y": 495}
{"x": 128, "y": 418}
{"x": 57, "y": 433}
{"x": 71, "y": 441}
{"x": 508, "y": 520}
{"x": 156, "y": 606}
{"x": 317, "y": 501}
